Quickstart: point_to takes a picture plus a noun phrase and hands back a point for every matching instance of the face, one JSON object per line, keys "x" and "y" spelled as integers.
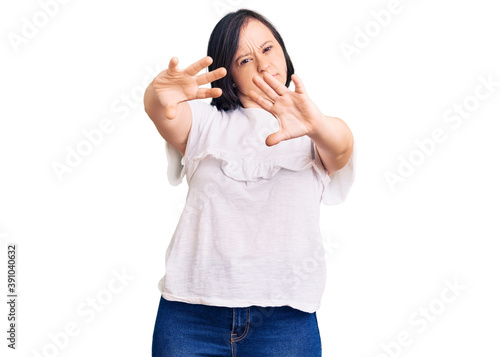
{"x": 258, "y": 52}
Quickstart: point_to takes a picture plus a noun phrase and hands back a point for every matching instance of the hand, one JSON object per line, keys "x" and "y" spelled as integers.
{"x": 295, "y": 111}
{"x": 175, "y": 85}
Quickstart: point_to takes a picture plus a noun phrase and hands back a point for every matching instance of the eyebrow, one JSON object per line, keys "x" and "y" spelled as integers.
{"x": 246, "y": 54}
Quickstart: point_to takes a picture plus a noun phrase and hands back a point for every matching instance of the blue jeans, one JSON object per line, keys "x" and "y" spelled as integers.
{"x": 193, "y": 330}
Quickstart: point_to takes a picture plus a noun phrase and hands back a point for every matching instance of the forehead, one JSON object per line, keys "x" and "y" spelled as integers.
{"x": 254, "y": 33}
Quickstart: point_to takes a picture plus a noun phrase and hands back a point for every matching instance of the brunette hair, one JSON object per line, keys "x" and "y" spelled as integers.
{"x": 222, "y": 47}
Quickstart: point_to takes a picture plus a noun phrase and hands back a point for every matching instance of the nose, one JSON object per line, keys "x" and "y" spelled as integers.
{"x": 263, "y": 64}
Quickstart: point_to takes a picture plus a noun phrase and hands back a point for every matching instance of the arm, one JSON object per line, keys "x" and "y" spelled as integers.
{"x": 175, "y": 131}
{"x": 165, "y": 99}
{"x": 334, "y": 141}
{"x": 298, "y": 116}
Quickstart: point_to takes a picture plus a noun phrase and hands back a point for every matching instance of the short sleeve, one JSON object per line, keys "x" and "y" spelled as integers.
{"x": 176, "y": 168}
{"x": 338, "y": 186}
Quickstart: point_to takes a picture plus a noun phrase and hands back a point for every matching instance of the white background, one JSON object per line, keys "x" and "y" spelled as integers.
{"x": 393, "y": 249}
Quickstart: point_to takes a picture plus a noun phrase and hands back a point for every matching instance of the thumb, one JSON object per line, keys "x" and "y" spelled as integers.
{"x": 299, "y": 86}
{"x": 171, "y": 111}
{"x": 275, "y": 138}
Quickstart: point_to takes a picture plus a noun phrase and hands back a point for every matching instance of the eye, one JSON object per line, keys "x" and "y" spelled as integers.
{"x": 244, "y": 61}
{"x": 267, "y": 48}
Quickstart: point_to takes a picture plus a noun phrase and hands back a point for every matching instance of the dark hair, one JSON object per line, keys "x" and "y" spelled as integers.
{"x": 222, "y": 47}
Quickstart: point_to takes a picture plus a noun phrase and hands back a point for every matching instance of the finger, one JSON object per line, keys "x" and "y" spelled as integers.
{"x": 275, "y": 138}
{"x": 174, "y": 61}
{"x": 299, "y": 86}
{"x": 199, "y": 65}
{"x": 211, "y": 76}
{"x": 171, "y": 111}
{"x": 276, "y": 85}
{"x": 265, "y": 88}
{"x": 208, "y": 93}
{"x": 262, "y": 102}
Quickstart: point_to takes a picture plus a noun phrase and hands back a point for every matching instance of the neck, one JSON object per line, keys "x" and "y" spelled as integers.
{"x": 246, "y": 102}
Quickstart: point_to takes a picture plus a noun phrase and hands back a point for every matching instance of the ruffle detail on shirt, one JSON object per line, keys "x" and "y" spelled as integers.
{"x": 240, "y": 168}
{"x": 175, "y": 171}
{"x": 337, "y": 187}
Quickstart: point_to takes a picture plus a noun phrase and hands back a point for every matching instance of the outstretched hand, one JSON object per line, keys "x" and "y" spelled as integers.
{"x": 295, "y": 111}
{"x": 175, "y": 85}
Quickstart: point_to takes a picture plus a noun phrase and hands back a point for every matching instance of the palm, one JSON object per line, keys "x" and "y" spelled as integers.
{"x": 175, "y": 85}
{"x": 295, "y": 112}
{"x": 290, "y": 113}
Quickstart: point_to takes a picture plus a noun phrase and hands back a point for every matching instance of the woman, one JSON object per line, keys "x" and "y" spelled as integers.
{"x": 245, "y": 269}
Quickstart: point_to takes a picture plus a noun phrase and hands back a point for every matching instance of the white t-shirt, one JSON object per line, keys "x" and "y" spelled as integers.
{"x": 249, "y": 231}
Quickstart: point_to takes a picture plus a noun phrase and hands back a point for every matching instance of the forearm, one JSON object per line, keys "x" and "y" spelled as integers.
{"x": 175, "y": 131}
{"x": 334, "y": 141}
{"x": 152, "y": 105}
